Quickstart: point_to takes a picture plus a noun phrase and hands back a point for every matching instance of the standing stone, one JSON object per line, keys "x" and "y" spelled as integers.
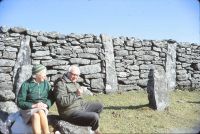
{"x": 171, "y": 66}
{"x": 23, "y": 58}
{"x": 24, "y": 72}
{"x": 111, "y": 75}
{"x": 157, "y": 89}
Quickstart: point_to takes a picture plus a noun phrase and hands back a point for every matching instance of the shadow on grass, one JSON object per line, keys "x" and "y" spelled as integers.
{"x": 127, "y": 107}
{"x": 196, "y": 102}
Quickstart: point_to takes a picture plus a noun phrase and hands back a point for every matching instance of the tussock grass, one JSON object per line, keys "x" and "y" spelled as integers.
{"x": 128, "y": 112}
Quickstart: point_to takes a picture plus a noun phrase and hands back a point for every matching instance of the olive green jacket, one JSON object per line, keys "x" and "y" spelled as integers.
{"x": 31, "y": 93}
{"x": 67, "y": 100}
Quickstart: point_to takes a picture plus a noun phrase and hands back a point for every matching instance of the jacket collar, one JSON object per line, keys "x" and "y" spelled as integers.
{"x": 32, "y": 80}
{"x": 66, "y": 78}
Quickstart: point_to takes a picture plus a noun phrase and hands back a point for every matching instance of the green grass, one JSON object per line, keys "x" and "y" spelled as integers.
{"x": 128, "y": 112}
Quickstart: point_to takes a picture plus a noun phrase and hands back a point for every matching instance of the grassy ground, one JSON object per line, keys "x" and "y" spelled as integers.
{"x": 128, "y": 112}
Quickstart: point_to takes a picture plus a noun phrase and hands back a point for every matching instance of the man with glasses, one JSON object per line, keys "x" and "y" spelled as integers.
{"x": 70, "y": 104}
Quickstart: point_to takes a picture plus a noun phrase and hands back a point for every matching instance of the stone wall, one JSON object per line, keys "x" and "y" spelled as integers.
{"x": 19, "y": 47}
{"x": 107, "y": 64}
{"x": 188, "y": 66}
{"x": 134, "y": 58}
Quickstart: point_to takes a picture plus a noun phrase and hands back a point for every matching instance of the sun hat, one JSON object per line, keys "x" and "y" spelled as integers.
{"x": 37, "y": 68}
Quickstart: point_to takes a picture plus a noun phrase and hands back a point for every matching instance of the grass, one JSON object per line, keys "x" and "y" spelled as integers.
{"x": 128, "y": 112}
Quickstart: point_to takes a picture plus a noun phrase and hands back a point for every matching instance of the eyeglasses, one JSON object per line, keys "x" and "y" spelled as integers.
{"x": 74, "y": 74}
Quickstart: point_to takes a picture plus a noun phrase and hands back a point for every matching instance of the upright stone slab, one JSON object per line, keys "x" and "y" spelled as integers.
{"x": 171, "y": 66}
{"x": 23, "y": 57}
{"x": 24, "y": 72}
{"x": 111, "y": 75}
{"x": 157, "y": 89}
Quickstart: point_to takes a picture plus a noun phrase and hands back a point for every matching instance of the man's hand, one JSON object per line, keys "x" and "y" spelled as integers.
{"x": 79, "y": 91}
{"x": 39, "y": 105}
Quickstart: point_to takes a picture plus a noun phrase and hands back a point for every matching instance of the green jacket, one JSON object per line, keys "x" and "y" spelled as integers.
{"x": 32, "y": 92}
{"x": 66, "y": 98}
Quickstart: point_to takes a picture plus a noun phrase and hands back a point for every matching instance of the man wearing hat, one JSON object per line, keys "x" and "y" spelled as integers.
{"x": 34, "y": 98}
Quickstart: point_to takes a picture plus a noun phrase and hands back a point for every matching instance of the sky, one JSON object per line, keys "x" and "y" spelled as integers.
{"x": 143, "y": 19}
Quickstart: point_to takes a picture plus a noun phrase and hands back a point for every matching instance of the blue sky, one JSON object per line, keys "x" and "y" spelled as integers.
{"x": 143, "y": 19}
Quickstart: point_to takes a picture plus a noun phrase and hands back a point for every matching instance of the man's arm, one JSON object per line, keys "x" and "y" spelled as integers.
{"x": 63, "y": 98}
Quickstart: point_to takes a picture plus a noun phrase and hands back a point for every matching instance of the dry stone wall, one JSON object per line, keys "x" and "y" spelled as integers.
{"x": 134, "y": 58}
{"x": 107, "y": 64}
{"x": 188, "y": 66}
{"x": 58, "y": 52}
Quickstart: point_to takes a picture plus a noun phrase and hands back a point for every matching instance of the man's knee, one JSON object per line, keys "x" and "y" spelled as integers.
{"x": 95, "y": 117}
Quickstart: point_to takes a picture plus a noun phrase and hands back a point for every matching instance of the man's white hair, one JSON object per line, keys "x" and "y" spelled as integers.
{"x": 74, "y": 67}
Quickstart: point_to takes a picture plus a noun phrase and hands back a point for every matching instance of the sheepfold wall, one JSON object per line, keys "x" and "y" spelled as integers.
{"x": 107, "y": 64}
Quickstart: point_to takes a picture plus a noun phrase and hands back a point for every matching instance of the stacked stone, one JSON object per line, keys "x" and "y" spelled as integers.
{"x": 57, "y": 52}
{"x": 105, "y": 62}
{"x": 21, "y": 48}
{"x": 134, "y": 58}
{"x": 188, "y": 66}
{"x": 10, "y": 39}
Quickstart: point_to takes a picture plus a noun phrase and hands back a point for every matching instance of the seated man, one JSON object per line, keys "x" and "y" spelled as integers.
{"x": 70, "y": 104}
{"x": 34, "y": 99}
